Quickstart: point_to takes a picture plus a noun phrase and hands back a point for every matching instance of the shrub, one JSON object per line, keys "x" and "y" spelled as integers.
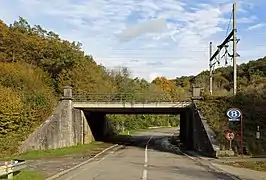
{"x": 26, "y": 100}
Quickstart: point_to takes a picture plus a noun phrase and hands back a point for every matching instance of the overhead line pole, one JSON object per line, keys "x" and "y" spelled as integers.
{"x": 231, "y": 37}
{"x": 210, "y": 68}
{"x": 234, "y": 49}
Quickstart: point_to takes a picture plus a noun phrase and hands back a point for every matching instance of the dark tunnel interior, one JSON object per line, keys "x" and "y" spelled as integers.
{"x": 102, "y": 130}
{"x": 96, "y": 122}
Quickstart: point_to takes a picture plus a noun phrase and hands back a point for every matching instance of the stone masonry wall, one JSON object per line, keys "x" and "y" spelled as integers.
{"x": 66, "y": 127}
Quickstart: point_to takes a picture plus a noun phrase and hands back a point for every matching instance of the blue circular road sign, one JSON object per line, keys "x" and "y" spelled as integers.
{"x": 234, "y": 114}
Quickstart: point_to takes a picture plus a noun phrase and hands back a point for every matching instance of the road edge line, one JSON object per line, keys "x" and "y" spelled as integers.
{"x": 81, "y": 164}
{"x": 213, "y": 166}
{"x": 235, "y": 177}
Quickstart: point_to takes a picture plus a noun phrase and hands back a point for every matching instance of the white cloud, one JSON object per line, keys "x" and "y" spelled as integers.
{"x": 256, "y": 26}
{"x": 250, "y": 19}
{"x": 151, "y": 26}
{"x": 150, "y": 37}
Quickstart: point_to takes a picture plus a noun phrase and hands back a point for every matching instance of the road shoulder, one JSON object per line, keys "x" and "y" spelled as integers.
{"x": 242, "y": 173}
{"x": 99, "y": 155}
{"x": 235, "y": 172}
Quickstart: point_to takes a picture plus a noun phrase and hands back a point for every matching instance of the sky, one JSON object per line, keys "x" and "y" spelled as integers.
{"x": 150, "y": 37}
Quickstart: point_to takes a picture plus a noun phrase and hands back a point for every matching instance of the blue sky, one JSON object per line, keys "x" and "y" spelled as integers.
{"x": 151, "y": 37}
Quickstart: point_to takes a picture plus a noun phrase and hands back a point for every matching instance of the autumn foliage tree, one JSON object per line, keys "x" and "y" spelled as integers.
{"x": 169, "y": 88}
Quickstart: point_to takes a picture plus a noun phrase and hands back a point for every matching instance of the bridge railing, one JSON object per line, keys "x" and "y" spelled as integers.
{"x": 128, "y": 97}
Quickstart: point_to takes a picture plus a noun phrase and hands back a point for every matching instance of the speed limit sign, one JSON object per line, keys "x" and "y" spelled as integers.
{"x": 230, "y": 135}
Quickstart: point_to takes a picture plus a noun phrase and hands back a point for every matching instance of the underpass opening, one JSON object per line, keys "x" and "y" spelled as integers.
{"x": 97, "y": 122}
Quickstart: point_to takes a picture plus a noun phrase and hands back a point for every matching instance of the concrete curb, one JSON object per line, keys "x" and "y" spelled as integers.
{"x": 223, "y": 171}
{"x": 211, "y": 166}
{"x": 79, "y": 165}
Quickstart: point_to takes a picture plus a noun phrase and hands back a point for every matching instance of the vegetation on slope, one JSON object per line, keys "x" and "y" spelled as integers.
{"x": 251, "y": 100}
{"x": 251, "y": 76}
{"x": 26, "y": 98}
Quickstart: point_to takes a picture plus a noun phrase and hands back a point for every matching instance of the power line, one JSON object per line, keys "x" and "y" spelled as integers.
{"x": 229, "y": 23}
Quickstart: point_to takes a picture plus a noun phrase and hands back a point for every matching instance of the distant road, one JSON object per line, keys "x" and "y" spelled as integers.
{"x": 150, "y": 161}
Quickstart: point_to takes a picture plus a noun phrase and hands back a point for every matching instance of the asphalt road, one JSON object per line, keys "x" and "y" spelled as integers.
{"x": 152, "y": 160}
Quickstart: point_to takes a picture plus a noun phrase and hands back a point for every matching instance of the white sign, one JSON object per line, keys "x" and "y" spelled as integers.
{"x": 230, "y": 136}
{"x": 234, "y": 114}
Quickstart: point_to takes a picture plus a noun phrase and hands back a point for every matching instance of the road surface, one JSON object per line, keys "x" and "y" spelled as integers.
{"x": 151, "y": 160}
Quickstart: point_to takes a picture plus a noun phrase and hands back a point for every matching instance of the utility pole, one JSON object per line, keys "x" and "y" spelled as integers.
{"x": 234, "y": 49}
{"x": 228, "y": 39}
{"x": 210, "y": 68}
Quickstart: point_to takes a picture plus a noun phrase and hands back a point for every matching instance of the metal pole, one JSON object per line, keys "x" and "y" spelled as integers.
{"x": 257, "y": 138}
{"x": 242, "y": 136}
{"x": 210, "y": 69}
{"x": 234, "y": 48}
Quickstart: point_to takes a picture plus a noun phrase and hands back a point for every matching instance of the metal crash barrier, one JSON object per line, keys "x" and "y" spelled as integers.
{"x": 8, "y": 170}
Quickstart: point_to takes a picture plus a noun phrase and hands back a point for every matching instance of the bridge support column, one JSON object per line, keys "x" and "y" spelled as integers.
{"x": 191, "y": 129}
{"x": 186, "y": 129}
{"x": 182, "y": 134}
{"x": 66, "y": 122}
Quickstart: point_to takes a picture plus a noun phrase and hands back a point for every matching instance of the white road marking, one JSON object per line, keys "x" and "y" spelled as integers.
{"x": 89, "y": 164}
{"x": 145, "y": 171}
{"x": 145, "y": 174}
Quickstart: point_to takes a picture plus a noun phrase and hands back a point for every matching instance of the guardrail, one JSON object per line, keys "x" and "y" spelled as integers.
{"x": 128, "y": 97}
{"x": 8, "y": 170}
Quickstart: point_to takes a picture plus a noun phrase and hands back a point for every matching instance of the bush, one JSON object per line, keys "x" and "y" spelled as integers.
{"x": 26, "y": 100}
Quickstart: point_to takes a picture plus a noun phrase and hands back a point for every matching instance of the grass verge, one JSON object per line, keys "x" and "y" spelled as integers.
{"x": 26, "y": 175}
{"x": 254, "y": 165}
{"x": 81, "y": 149}
{"x": 38, "y": 174}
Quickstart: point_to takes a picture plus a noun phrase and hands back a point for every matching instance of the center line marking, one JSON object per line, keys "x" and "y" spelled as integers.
{"x": 145, "y": 171}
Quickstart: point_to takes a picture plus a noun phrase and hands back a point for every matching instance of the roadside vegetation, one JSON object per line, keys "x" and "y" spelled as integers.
{"x": 27, "y": 174}
{"x": 81, "y": 150}
{"x": 254, "y": 165}
{"x": 251, "y": 100}
{"x": 46, "y": 156}
{"x": 36, "y": 63}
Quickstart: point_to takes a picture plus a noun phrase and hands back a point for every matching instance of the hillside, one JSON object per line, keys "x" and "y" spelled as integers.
{"x": 34, "y": 66}
{"x": 250, "y": 99}
{"x": 250, "y": 75}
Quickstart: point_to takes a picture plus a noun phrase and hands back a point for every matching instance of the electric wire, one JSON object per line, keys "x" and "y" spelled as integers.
{"x": 229, "y": 23}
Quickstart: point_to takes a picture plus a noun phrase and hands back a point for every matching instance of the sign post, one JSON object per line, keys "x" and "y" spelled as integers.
{"x": 258, "y": 137}
{"x": 230, "y": 135}
{"x": 235, "y": 115}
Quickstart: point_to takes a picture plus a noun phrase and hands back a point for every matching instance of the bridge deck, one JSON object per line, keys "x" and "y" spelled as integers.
{"x": 130, "y": 108}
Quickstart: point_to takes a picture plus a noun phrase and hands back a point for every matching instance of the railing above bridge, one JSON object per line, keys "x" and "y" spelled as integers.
{"x": 128, "y": 97}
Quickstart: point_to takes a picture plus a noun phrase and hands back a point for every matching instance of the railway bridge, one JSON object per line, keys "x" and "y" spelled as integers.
{"x": 81, "y": 118}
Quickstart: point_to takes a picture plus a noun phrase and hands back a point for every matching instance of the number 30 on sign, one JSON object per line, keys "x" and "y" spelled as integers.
{"x": 230, "y": 135}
